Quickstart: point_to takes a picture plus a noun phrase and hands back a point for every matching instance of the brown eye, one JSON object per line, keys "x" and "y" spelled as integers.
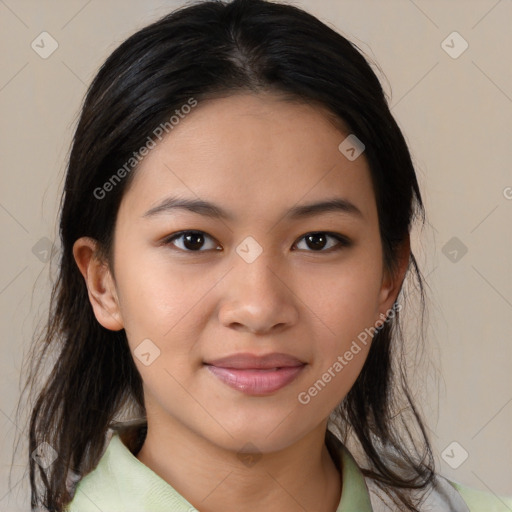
{"x": 318, "y": 241}
{"x": 192, "y": 241}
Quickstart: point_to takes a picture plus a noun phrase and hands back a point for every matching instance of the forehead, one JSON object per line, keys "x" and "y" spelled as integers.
{"x": 253, "y": 151}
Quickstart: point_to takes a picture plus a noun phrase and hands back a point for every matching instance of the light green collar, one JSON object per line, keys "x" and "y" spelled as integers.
{"x": 354, "y": 492}
{"x": 122, "y": 483}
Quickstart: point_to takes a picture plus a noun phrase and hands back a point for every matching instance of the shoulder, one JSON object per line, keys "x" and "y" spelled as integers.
{"x": 482, "y": 501}
{"x": 444, "y": 495}
{"x": 95, "y": 491}
{"x": 121, "y": 483}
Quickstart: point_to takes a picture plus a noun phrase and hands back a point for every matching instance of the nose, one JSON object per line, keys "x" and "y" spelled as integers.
{"x": 258, "y": 297}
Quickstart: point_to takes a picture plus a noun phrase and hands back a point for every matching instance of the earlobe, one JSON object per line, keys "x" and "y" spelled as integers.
{"x": 392, "y": 282}
{"x": 99, "y": 282}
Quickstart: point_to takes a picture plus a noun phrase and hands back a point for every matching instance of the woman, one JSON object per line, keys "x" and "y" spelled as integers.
{"x": 235, "y": 237}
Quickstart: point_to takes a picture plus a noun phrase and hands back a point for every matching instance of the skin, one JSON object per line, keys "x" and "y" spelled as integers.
{"x": 256, "y": 156}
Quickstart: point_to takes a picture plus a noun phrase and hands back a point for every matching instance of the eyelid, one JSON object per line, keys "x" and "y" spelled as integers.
{"x": 169, "y": 239}
{"x": 343, "y": 241}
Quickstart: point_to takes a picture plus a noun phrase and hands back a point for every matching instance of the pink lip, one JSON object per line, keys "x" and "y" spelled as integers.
{"x": 256, "y": 375}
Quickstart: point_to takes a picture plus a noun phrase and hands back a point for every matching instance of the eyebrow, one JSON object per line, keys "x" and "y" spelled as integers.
{"x": 208, "y": 209}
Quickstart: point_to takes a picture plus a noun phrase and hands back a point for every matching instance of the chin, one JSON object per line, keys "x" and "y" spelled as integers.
{"x": 258, "y": 437}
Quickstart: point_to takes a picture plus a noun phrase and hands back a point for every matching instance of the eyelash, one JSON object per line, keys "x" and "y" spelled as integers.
{"x": 343, "y": 242}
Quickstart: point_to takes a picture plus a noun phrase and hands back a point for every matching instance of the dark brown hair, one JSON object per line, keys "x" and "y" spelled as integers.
{"x": 198, "y": 52}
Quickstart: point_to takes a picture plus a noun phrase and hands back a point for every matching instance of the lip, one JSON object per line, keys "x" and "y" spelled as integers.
{"x": 247, "y": 361}
{"x": 256, "y": 375}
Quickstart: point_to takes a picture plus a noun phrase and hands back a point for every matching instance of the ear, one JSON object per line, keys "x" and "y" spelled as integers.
{"x": 392, "y": 281}
{"x": 99, "y": 282}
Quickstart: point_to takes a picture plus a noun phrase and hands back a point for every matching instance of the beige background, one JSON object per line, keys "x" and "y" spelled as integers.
{"x": 456, "y": 115}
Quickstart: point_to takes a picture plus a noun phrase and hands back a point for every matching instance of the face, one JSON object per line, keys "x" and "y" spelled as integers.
{"x": 253, "y": 273}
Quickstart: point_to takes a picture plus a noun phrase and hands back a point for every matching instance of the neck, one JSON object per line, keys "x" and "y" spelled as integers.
{"x": 299, "y": 477}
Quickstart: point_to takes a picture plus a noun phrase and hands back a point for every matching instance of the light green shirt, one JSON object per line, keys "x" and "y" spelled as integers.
{"x": 121, "y": 483}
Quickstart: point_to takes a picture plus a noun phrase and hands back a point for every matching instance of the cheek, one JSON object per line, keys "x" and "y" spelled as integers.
{"x": 347, "y": 304}
{"x": 340, "y": 353}
{"x": 154, "y": 298}
{"x": 345, "y": 298}
{"x": 160, "y": 318}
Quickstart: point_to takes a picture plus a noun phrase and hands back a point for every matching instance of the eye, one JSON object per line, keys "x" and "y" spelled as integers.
{"x": 199, "y": 241}
{"x": 319, "y": 240}
{"x": 191, "y": 241}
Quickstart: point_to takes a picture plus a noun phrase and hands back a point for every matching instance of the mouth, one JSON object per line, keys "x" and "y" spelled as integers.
{"x": 256, "y": 375}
